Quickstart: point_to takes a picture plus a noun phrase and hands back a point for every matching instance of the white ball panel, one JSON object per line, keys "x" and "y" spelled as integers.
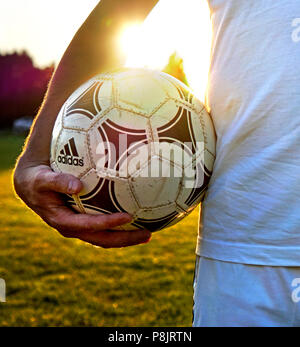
{"x": 152, "y": 184}
{"x": 164, "y": 114}
{"x": 139, "y": 93}
{"x": 78, "y": 120}
{"x": 90, "y": 181}
{"x": 125, "y": 197}
{"x": 127, "y": 120}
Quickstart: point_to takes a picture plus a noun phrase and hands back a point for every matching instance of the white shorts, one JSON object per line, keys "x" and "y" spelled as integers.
{"x": 239, "y": 295}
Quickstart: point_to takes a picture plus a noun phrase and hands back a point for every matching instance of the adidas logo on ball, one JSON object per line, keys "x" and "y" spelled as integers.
{"x": 69, "y": 155}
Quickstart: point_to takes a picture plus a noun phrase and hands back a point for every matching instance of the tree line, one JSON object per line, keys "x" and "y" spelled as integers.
{"x": 23, "y": 85}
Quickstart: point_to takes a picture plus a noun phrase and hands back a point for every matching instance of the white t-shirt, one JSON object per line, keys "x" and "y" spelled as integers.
{"x": 251, "y": 213}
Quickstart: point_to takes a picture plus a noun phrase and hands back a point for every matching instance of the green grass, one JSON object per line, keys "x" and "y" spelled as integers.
{"x": 52, "y": 281}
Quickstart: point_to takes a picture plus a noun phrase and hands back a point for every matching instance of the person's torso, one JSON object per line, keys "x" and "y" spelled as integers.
{"x": 253, "y": 201}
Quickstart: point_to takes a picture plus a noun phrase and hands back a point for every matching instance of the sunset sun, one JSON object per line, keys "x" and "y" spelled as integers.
{"x": 173, "y": 26}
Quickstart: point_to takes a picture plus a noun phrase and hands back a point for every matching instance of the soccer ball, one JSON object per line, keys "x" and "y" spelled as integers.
{"x": 140, "y": 142}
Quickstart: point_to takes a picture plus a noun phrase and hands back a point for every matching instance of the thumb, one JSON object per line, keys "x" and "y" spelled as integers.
{"x": 47, "y": 180}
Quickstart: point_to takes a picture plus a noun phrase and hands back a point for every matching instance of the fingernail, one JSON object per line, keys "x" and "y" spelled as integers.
{"x": 72, "y": 187}
{"x": 126, "y": 219}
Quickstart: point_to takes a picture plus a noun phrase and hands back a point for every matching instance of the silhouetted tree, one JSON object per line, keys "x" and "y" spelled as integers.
{"x": 22, "y": 87}
{"x": 175, "y": 68}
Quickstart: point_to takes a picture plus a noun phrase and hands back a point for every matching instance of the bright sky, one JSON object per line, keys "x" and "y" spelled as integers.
{"x": 44, "y": 29}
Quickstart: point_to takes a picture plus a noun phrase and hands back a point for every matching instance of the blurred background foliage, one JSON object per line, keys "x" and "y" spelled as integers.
{"x": 175, "y": 68}
{"x": 23, "y": 85}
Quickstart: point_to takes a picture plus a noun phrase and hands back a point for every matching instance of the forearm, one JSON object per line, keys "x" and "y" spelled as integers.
{"x": 94, "y": 49}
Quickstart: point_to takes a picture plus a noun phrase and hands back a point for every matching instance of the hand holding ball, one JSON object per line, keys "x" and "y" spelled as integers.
{"x": 140, "y": 142}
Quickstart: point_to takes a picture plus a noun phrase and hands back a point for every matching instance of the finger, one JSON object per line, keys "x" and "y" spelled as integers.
{"x": 69, "y": 222}
{"x": 93, "y": 229}
{"x": 47, "y": 180}
{"x": 116, "y": 239}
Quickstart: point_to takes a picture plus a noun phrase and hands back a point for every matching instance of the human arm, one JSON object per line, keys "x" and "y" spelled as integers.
{"x": 92, "y": 50}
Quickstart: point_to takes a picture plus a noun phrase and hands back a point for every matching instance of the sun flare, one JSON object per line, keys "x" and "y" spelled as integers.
{"x": 130, "y": 36}
{"x": 173, "y": 25}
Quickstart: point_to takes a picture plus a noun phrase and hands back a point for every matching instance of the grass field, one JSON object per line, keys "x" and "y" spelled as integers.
{"x": 52, "y": 281}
